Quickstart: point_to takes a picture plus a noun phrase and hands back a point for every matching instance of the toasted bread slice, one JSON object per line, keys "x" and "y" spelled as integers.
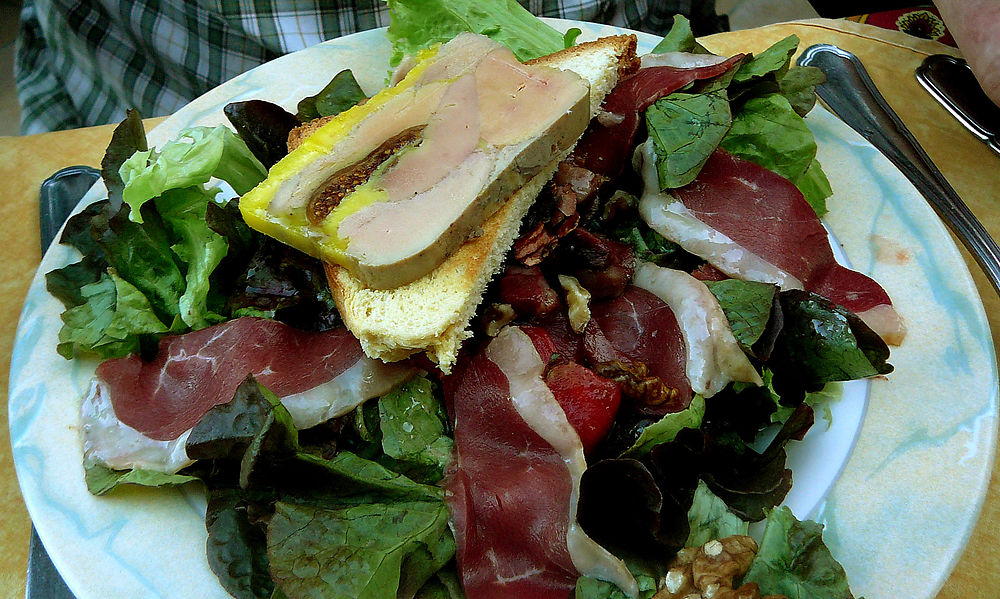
{"x": 432, "y": 313}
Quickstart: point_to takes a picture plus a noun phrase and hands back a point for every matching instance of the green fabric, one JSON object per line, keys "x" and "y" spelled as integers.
{"x": 84, "y": 63}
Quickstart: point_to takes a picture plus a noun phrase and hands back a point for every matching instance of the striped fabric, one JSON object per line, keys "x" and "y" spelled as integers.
{"x": 84, "y": 62}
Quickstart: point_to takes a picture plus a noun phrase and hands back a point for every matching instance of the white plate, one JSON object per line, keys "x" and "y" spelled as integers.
{"x": 899, "y": 495}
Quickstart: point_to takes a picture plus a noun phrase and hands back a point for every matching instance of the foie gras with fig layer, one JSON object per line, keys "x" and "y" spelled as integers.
{"x": 389, "y": 188}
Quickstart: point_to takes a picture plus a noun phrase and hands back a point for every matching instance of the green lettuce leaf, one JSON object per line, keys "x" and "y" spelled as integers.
{"x": 193, "y": 158}
{"x": 340, "y": 94}
{"x": 709, "y": 518}
{"x": 418, "y": 24}
{"x": 198, "y": 246}
{"x": 747, "y": 306}
{"x": 767, "y": 131}
{"x": 356, "y": 552}
{"x": 141, "y": 255}
{"x": 592, "y": 588}
{"x": 101, "y": 479}
{"x": 665, "y": 429}
{"x": 685, "y": 129}
{"x": 110, "y": 323}
{"x": 794, "y": 561}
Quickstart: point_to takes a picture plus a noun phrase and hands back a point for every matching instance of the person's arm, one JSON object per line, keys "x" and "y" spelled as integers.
{"x": 975, "y": 25}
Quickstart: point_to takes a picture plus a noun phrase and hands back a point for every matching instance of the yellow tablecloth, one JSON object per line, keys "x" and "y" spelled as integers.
{"x": 890, "y": 57}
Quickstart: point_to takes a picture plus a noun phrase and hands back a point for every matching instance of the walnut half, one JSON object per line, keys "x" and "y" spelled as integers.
{"x": 708, "y": 572}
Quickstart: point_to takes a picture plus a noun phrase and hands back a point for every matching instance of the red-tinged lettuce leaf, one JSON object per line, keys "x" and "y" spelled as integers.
{"x": 226, "y": 431}
{"x": 794, "y": 561}
{"x": 128, "y": 138}
{"x": 264, "y": 126}
{"x": 359, "y": 551}
{"x": 341, "y": 93}
{"x": 236, "y": 547}
{"x": 623, "y": 508}
{"x": 262, "y": 276}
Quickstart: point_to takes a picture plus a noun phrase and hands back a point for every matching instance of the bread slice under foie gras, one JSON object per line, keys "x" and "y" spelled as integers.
{"x": 432, "y": 313}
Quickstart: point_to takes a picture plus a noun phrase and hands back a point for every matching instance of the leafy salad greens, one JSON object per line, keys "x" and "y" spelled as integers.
{"x": 354, "y": 507}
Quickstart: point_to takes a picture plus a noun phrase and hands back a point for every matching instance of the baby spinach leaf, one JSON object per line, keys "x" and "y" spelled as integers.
{"x": 772, "y": 61}
{"x": 793, "y": 561}
{"x": 747, "y": 306}
{"x": 798, "y": 85}
{"x": 768, "y": 132}
{"x": 412, "y": 425}
{"x": 341, "y": 93}
{"x": 822, "y": 342}
{"x": 678, "y": 39}
{"x": 685, "y": 129}
{"x": 355, "y": 552}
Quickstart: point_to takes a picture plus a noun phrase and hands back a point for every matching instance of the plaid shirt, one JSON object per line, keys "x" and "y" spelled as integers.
{"x": 83, "y": 62}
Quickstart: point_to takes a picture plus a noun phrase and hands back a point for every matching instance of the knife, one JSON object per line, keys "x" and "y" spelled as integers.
{"x": 57, "y": 197}
{"x": 951, "y": 82}
{"x": 851, "y": 94}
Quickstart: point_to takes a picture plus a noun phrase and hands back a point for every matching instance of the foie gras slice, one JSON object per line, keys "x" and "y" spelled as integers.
{"x": 389, "y": 188}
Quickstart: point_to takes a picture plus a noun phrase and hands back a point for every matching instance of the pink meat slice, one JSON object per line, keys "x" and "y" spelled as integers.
{"x": 767, "y": 215}
{"x": 642, "y": 328}
{"x": 196, "y": 371}
{"x": 508, "y": 495}
{"x": 606, "y": 148}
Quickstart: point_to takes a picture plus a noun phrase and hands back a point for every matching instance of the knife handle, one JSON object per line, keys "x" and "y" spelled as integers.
{"x": 951, "y": 82}
{"x": 851, "y": 94}
{"x": 57, "y": 197}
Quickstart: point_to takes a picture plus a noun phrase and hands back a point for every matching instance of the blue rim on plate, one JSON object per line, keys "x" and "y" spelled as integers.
{"x": 898, "y": 515}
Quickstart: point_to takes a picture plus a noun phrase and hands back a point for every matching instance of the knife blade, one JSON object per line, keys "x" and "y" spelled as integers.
{"x": 950, "y": 81}
{"x": 851, "y": 94}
